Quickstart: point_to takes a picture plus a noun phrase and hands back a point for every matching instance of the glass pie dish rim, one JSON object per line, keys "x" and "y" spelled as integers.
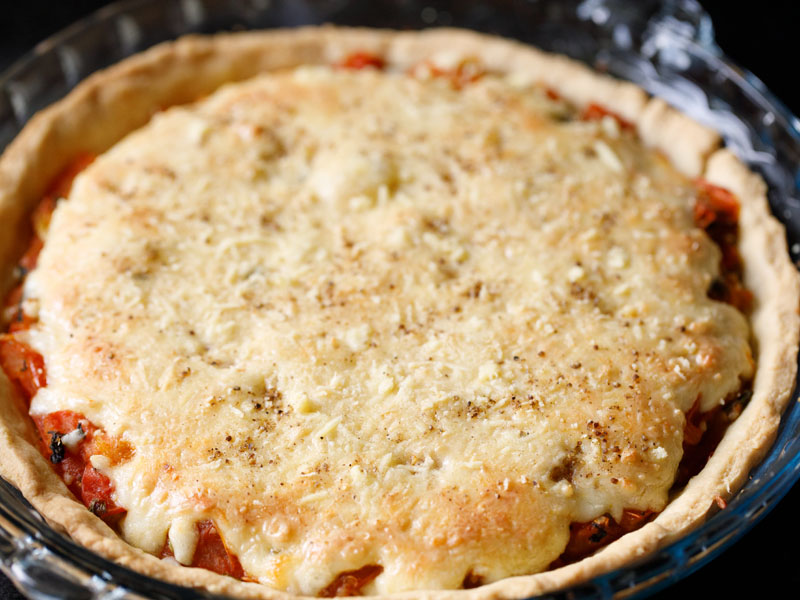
{"x": 682, "y": 556}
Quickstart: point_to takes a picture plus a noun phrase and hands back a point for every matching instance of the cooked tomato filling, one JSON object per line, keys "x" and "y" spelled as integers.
{"x": 211, "y": 552}
{"x": 586, "y": 538}
{"x": 471, "y": 580}
{"x": 351, "y": 583}
{"x": 595, "y": 112}
{"x": 17, "y": 319}
{"x": 22, "y": 365}
{"x": 40, "y": 220}
{"x": 69, "y": 440}
{"x": 362, "y": 60}
{"x": 703, "y": 432}
{"x": 25, "y": 368}
{"x": 465, "y": 72}
{"x": 716, "y": 210}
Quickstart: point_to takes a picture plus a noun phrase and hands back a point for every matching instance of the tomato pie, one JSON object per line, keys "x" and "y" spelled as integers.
{"x": 353, "y": 312}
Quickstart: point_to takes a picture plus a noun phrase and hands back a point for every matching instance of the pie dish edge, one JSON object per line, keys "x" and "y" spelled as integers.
{"x": 177, "y": 72}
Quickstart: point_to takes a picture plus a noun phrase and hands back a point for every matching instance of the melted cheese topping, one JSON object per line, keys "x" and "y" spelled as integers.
{"x": 358, "y": 318}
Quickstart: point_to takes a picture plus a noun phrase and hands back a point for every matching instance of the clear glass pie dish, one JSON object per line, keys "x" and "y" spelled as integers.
{"x": 666, "y": 47}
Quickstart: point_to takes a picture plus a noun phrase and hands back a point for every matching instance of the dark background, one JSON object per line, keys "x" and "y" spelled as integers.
{"x": 760, "y": 36}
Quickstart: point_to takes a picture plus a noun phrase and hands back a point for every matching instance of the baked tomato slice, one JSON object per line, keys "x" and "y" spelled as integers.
{"x": 714, "y": 203}
{"x": 23, "y": 365}
{"x": 595, "y": 112}
{"x": 211, "y": 552}
{"x": 96, "y": 491}
{"x": 586, "y": 538}
{"x": 62, "y": 184}
{"x": 362, "y": 60}
{"x": 73, "y": 461}
{"x": 351, "y": 583}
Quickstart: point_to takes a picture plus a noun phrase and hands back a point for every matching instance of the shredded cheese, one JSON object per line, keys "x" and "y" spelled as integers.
{"x": 361, "y": 318}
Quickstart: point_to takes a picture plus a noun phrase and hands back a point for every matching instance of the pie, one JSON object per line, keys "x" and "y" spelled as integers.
{"x": 337, "y": 312}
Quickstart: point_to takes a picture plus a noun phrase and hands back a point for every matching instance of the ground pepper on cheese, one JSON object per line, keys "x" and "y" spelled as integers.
{"x": 363, "y": 318}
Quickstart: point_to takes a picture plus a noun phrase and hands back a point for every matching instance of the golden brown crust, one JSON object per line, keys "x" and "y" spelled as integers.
{"x": 112, "y": 103}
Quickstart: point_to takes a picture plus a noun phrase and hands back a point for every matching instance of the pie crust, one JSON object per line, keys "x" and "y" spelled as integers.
{"x": 114, "y": 102}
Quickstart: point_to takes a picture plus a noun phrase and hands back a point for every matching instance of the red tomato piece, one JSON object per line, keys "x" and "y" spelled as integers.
{"x": 96, "y": 490}
{"x": 552, "y": 94}
{"x": 588, "y": 537}
{"x": 31, "y": 256}
{"x": 740, "y": 297}
{"x": 695, "y": 426}
{"x": 595, "y": 112}
{"x": 21, "y": 322}
{"x": 362, "y": 60}
{"x": 70, "y": 469}
{"x": 466, "y": 72}
{"x": 23, "y": 365}
{"x": 18, "y": 320}
{"x": 65, "y": 421}
{"x": 42, "y": 214}
{"x": 84, "y": 481}
{"x": 212, "y": 554}
{"x": 68, "y": 463}
{"x": 716, "y": 210}
{"x": 729, "y": 289}
{"x": 58, "y": 188}
{"x": 62, "y": 184}
{"x": 351, "y": 583}
{"x": 715, "y": 204}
